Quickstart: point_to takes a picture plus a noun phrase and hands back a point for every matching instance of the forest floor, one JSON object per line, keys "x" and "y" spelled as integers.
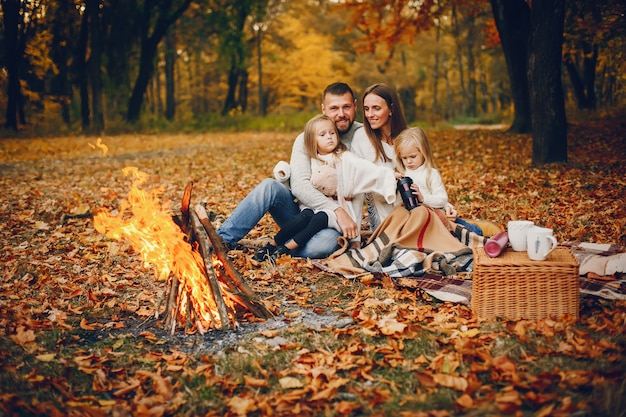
{"x": 78, "y": 333}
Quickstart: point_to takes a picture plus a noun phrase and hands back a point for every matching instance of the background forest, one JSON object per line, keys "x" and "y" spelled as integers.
{"x": 111, "y": 66}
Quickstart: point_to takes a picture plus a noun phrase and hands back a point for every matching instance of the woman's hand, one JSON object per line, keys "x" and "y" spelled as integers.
{"x": 348, "y": 226}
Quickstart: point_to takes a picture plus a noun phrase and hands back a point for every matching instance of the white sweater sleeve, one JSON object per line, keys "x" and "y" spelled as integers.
{"x": 360, "y": 176}
{"x": 300, "y": 180}
{"x": 437, "y": 197}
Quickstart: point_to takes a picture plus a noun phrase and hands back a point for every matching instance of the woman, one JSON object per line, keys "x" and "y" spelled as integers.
{"x": 383, "y": 121}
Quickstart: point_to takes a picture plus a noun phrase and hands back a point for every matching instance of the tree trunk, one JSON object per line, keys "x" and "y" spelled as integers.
{"x": 170, "y": 60}
{"x": 11, "y": 16}
{"x": 146, "y": 70}
{"x": 471, "y": 69}
{"x": 435, "y": 109}
{"x": 549, "y": 124}
{"x": 233, "y": 80}
{"x": 80, "y": 68}
{"x": 61, "y": 29}
{"x": 243, "y": 90}
{"x": 512, "y": 19}
{"x": 94, "y": 66}
{"x": 584, "y": 86}
{"x": 459, "y": 59}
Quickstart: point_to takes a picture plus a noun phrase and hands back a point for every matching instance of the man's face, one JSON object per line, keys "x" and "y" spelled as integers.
{"x": 342, "y": 109}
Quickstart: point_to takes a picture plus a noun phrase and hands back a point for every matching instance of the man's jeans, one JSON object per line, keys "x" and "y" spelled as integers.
{"x": 273, "y": 197}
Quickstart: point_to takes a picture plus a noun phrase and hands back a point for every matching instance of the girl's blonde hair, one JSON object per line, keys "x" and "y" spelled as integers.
{"x": 310, "y": 136}
{"x": 414, "y": 137}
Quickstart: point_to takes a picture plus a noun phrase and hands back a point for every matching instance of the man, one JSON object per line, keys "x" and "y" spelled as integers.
{"x": 339, "y": 103}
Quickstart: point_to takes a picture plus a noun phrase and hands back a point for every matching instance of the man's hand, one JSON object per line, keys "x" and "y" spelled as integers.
{"x": 348, "y": 226}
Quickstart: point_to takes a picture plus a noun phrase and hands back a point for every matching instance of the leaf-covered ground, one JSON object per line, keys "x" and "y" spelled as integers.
{"x": 77, "y": 328}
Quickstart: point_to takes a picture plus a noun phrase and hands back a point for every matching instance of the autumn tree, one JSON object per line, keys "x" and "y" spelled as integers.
{"x": 591, "y": 26}
{"x": 20, "y": 21}
{"x": 531, "y": 41}
{"x": 529, "y": 36}
{"x": 154, "y": 20}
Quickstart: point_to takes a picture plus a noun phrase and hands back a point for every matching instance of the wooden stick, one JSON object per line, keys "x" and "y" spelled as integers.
{"x": 170, "y": 309}
{"x": 221, "y": 251}
{"x": 227, "y": 265}
{"x": 209, "y": 272}
{"x": 184, "y": 208}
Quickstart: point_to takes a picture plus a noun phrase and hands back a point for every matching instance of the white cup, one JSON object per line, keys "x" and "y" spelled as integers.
{"x": 540, "y": 242}
{"x": 517, "y": 230}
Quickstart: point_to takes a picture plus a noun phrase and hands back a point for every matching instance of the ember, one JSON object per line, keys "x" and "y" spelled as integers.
{"x": 203, "y": 287}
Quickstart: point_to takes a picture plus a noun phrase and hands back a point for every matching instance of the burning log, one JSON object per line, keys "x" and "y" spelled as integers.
{"x": 203, "y": 288}
{"x": 224, "y": 280}
{"x": 236, "y": 283}
{"x": 205, "y": 251}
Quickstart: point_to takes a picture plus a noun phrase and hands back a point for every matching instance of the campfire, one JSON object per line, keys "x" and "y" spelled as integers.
{"x": 204, "y": 290}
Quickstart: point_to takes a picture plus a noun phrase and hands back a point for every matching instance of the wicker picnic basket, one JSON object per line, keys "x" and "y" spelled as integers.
{"x": 515, "y": 287}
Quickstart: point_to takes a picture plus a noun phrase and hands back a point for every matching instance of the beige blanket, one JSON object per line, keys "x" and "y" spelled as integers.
{"x": 409, "y": 243}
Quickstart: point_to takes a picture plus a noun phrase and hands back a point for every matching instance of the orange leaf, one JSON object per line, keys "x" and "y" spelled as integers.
{"x": 255, "y": 382}
{"x": 85, "y": 326}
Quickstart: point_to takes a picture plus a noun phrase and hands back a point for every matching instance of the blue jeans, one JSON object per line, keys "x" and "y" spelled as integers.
{"x": 272, "y": 197}
{"x": 471, "y": 227}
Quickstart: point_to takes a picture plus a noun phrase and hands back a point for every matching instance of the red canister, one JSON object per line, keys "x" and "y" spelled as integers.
{"x": 496, "y": 244}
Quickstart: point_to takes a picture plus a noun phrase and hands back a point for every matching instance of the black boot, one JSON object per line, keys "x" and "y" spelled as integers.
{"x": 264, "y": 253}
{"x": 279, "y": 251}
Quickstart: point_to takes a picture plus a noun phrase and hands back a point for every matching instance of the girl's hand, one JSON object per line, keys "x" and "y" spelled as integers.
{"x": 417, "y": 193}
{"x": 451, "y": 212}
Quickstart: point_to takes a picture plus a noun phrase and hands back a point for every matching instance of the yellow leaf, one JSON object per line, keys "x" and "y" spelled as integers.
{"x": 270, "y": 333}
{"x": 42, "y": 225}
{"x": 450, "y": 381}
{"x": 46, "y": 357}
{"x": 241, "y": 406}
{"x": 389, "y": 325}
{"x": 470, "y": 333}
{"x": 289, "y": 382}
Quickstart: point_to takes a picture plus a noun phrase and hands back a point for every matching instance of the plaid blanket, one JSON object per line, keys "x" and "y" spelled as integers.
{"x": 417, "y": 250}
{"x": 409, "y": 243}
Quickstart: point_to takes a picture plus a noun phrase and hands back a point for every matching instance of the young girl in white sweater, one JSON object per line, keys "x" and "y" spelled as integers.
{"x": 414, "y": 159}
{"x": 341, "y": 176}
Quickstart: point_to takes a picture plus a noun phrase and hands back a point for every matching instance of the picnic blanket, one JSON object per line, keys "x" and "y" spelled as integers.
{"x": 417, "y": 250}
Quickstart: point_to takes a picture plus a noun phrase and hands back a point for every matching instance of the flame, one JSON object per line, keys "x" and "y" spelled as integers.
{"x": 100, "y": 145}
{"x": 152, "y": 233}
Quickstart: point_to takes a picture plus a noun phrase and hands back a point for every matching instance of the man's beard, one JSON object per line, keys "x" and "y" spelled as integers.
{"x": 343, "y": 131}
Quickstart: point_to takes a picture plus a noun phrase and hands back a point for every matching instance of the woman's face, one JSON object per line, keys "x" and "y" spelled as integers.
{"x": 376, "y": 111}
{"x": 326, "y": 136}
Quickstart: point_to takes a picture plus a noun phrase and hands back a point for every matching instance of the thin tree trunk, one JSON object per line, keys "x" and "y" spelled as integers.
{"x": 80, "y": 67}
{"x": 435, "y": 109}
{"x": 170, "y": 61}
{"x": 459, "y": 59}
{"x": 11, "y": 16}
{"x": 233, "y": 80}
{"x": 95, "y": 66}
{"x": 471, "y": 70}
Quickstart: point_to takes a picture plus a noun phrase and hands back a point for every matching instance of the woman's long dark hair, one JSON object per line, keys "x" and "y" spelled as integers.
{"x": 398, "y": 122}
